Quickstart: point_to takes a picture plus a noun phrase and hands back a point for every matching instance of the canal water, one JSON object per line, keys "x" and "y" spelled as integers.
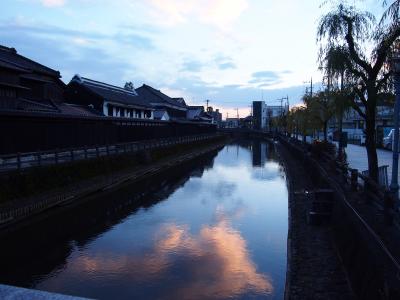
{"x": 214, "y": 228}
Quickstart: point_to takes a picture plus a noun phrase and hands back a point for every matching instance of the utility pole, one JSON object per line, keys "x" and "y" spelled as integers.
{"x": 207, "y": 101}
{"x": 394, "y": 185}
{"x": 237, "y": 113}
{"x": 311, "y": 87}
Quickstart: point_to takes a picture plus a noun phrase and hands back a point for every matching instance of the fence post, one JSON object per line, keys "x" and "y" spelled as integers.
{"x": 354, "y": 179}
{"x": 39, "y": 158}
{"x": 19, "y": 161}
{"x": 56, "y": 156}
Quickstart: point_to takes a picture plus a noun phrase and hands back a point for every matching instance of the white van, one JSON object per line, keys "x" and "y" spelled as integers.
{"x": 388, "y": 140}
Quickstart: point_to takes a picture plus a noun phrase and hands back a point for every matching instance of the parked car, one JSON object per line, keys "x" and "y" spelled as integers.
{"x": 388, "y": 140}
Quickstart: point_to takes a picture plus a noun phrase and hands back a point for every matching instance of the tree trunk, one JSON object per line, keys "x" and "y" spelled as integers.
{"x": 326, "y": 131}
{"x": 370, "y": 144}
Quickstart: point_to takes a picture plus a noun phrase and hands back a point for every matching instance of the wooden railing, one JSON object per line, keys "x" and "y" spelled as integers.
{"x": 20, "y": 161}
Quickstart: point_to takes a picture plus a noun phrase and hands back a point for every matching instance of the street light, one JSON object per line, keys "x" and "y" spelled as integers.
{"x": 395, "y": 66}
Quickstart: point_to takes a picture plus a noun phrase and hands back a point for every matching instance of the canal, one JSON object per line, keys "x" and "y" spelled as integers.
{"x": 214, "y": 228}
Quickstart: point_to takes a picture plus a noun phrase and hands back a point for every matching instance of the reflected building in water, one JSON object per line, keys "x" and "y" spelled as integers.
{"x": 259, "y": 153}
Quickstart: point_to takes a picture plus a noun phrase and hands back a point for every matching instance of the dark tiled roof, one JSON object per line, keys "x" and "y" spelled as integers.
{"x": 151, "y": 95}
{"x": 111, "y": 93}
{"x": 196, "y": 107}
{"x": 180, "y": 100}
{"x": 77, "y": 110}
{"x": 33, "y": 106}
{"x": 11, "y": 57}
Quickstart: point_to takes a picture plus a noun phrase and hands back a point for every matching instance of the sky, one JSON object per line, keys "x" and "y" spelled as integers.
{"x": 230, "y": 52}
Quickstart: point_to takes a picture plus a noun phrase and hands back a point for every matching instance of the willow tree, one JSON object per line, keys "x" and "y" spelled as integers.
{"x": 320, "y": 107}
{"x": 355, "y": 32}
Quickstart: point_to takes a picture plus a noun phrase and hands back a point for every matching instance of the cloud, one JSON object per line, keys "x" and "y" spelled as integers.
{"x": 213, "y": 261}
{"x": 219, "y": 13}
{"x": 53, "y": 3}
{"x": 267, "y": 78}
{"x": 227, "y": 65}
{"x": 192, "y": 65}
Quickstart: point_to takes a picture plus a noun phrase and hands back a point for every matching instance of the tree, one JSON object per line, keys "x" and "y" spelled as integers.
{"x": 351, "y": 31}
{"x": 392, "y": 13}
{"x": 129, "y": 86}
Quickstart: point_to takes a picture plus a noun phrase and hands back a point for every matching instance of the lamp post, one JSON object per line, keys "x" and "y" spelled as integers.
{"x": 394, "y": 185}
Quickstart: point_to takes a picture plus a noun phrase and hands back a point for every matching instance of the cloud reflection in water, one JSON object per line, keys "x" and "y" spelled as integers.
{"x": 215, "y": 263}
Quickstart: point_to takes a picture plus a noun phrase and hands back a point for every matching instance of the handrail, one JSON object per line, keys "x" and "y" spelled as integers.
{"x": 18, "y": 161}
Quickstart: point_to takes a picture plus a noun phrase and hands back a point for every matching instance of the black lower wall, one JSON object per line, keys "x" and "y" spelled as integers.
{"x": 33, "y": 132}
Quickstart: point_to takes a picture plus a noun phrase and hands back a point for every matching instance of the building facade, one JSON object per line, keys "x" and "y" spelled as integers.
{"x": 259, "y": 115}
{"x": 106, "y": 99}
{"x": 175, "y": 107}
{"x": 28, "y": 85}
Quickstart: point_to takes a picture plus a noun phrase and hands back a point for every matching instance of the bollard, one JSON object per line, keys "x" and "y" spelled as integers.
{"x": 354, "y": 179}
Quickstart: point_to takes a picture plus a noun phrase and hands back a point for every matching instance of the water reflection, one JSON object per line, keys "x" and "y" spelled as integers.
{"x": 215, "y": 263}
{"x": 214, "y": 229}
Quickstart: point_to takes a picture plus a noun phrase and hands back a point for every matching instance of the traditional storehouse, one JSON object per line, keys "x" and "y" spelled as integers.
{"x": 180, "y": 100}
{"x": 28, "y": 85}
{"x": 106, "y": 99}
{"x": 176, "y": 109}
{"x": 197, "y": 113}
{"x": 215, "y": 114}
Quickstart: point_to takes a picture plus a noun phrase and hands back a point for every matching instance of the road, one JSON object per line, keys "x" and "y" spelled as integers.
{"x": 357, "y": 158}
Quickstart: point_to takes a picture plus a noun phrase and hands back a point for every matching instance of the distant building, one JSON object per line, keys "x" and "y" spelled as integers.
{"x": 27, "y": 85}
{"x": 106, "y": 99}
{"x": 216, "y": 115}
{"x": 197, "y": 113}
{"x": 259, "y": 115}
{"x": 176, "y": 108}
{"x": 232, "y": 123}
{"x": 354, "y": 124}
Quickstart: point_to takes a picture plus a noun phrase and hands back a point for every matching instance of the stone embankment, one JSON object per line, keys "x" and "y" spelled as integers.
{"x": 18, "y": 210}
{"x": 314, "y": 267}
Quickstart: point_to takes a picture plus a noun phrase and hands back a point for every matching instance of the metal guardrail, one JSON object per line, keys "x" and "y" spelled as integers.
{"x": 20, "y": 161}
